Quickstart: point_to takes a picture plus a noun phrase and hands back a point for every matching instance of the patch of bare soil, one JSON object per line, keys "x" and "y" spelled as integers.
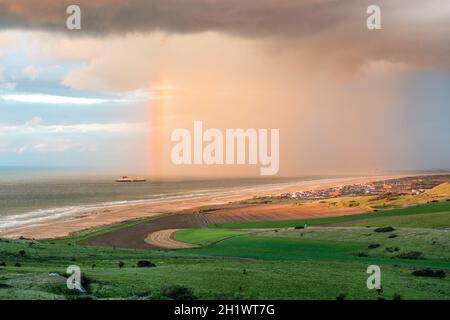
{"x": 271, "y": 212}
{"x": 163, "y": 239}
{"x": 134, "y": 236}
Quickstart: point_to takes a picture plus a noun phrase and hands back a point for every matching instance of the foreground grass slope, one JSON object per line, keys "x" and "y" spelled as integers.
{"x": 40, "y": 275}
{"x": 311, "y": 263}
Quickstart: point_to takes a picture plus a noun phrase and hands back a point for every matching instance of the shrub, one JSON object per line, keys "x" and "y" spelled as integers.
{"x": 121, "y": 264}
{"x": 145, "y": 264}
{"x": 415, "y": 255}
{"x": 392, "y": 236}
{"x": 17, "y": 265}
{"x": 177, "y": 292}
{"x": 362, "y": 254}
{"x": 397, "y": 297}
{"x": 299, "y": 227}
{"x": 384, "y": 229}
{"x": 341, "y": 296}
{"x": 374, "y": 246}
{"x": 2, "y": 264}
{"x": 22, "y": 252}
{"x": 429, "y": 273}
{"x": 86, "y": 282}
{"x": 392, "y": 249}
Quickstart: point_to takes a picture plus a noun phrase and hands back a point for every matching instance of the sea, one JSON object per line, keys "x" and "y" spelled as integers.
{"x": 36, "y": 194}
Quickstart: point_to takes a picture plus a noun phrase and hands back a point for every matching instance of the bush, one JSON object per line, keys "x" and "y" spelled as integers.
{"x": 397, "y": 297}
{"x": 2, "y": 264}
{"x": 17, "y": 265}
{"x": 384, "y": 229}
{"x": 362, "y": 254}
{"x": 414, "y": 255}
{"x": 177, "y": 292}
{"x": 22, "y": 252}
{"x": 145, "y": 264}
{"x": 392, "y": 236}
{"x": 429, "y": 273}
{"x": 374, "y": 246}
{"x": 299, "y": 227}
{"x": 121, "y": 264}
{"x": 392, "y": 249}
{"x": 341, "y": 296}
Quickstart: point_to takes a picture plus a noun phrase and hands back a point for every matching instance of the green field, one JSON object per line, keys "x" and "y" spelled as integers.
{"x": 429, "y": 220}
{"x": 416, "y": 210}
{"x": 296, "y": 248}
{"x": 205, "y": 236}
{"x": 312, "y": 263}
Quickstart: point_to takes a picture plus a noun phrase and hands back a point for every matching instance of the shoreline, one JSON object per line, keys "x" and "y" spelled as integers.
{"x": 101, "y": 215}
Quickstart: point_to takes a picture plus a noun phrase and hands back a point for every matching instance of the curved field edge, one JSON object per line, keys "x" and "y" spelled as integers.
{"x": 205, "y": 236}
{"x": 164, "y": 239}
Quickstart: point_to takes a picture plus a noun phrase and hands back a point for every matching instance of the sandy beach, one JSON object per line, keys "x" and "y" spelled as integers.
{"x": 101, "y": 216}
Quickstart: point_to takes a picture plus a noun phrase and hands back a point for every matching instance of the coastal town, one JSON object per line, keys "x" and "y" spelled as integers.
{"x": 402, "y": 186}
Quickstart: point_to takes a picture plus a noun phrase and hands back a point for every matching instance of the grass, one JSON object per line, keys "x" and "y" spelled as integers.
{"x": 312, "y": 263}
{"x": 205, "y": 236}
{"x": 434, "y": 244}
{"x": 430, "y": 220}
{"x": 208, "y": 277}
{"x": 420, "y": 209}
{"x": 290, "y": 248}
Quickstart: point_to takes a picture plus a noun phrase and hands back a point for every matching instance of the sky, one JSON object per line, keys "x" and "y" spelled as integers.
{"x": 345, "y": 99}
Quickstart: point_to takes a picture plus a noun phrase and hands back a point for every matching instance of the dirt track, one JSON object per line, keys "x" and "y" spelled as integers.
{"x": 163, "y": 238}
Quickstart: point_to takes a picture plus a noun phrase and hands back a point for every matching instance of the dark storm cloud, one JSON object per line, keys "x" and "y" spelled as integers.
{"x": 414, "y": 31}
{"x": 246, "y": 17}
